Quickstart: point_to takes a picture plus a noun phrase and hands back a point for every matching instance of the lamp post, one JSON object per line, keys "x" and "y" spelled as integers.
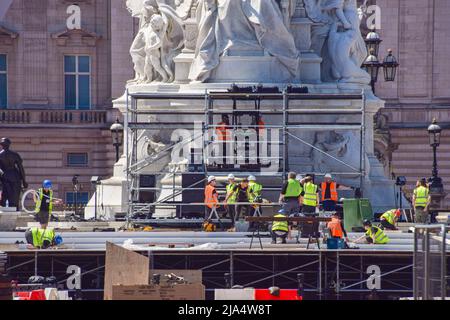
{"x": 117, "y": 135}
{"x": 434, "y": 132}
{"x": 372, "y": 65}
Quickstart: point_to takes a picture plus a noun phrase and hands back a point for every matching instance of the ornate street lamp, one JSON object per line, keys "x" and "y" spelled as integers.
{"x": 372, "y": 65}
{"x": 390, "y": 66}
{"x": 373, "y": 42}
{"x": 117, "y": 135}
{"x": 434, "y": 131}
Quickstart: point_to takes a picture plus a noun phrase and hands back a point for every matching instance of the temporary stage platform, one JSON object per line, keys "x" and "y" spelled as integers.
{"x": 380, "y": 271}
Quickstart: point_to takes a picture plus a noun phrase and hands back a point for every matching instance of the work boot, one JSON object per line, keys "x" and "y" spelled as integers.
{"x": 273, "y": 242}
{"x": 284, "y": 241}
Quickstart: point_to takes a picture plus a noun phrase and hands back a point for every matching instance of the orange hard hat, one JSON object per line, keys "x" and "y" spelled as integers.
{"x": 398, "y": 213}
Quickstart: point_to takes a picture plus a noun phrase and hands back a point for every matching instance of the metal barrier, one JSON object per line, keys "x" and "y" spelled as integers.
{"x": 430, "y": 262}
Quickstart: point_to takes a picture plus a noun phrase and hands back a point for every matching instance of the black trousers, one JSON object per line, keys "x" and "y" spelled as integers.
{"x": 308, "y": 210}
{"x": 240, "y": 208}
{"x": 11, "y": 192}
{"x": 387, "y": 225}
{"x": 231, "y": 212}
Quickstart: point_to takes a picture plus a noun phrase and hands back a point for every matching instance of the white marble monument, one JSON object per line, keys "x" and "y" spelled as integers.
{"x": 189, "y": 46}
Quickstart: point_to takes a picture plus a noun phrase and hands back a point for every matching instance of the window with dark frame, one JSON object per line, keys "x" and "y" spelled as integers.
{"x": 3, "y": 82}
{"x": 77, "y": 82}
{"x": 77, "y": 159}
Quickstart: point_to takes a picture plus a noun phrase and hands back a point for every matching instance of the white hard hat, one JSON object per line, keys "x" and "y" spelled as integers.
{"x": 211, "y": 178}
{"x": 252, "y": 178}
{"x": 231, "y": 176}
{"x": 299, "y": 177}
{"x": 328, "y": 176}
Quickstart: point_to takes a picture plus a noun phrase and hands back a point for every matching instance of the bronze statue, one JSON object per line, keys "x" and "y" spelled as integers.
{"x": 12, "y": 175}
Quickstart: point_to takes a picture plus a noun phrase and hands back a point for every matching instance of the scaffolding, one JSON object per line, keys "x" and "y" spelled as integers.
{"x": 274, "y": 105}
{"x": 328, "y": 274}
{"x": 431, "y": 280}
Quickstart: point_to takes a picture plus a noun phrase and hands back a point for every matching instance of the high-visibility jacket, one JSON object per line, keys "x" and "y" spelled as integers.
{"x": 261, "y": 127}
{"x": 389, "y": 216}
{"x": 41, "y": 197}
{"x": 421, "y": 194}
{"x": 333, "y": 191}
{"x": 231, "y": 193}
{"x": 380, "y": 236}
{"x": 41, "y": 235}
{"x": 280, "y": 225}
{"x": 310, "y": 197}
{"x": 294, "y": 189}
{"x": 335, "y": 228}
{"x": 223, "y": 131}
{"x": 211, "y": 196}
{"x": 254, "y": 190}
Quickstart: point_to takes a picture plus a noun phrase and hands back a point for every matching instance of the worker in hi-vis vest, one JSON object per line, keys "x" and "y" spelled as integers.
{"x": 280, "y": 229}
{"x": 421, "y": 201}
{"x": 230, "y": 198}
{"x": 336, "y": 228}
{"x": 254, "y": 194}
{"x": 44, "y": 203}
{"x": 224, "y": 134}
{"x": 374, "y": 234}
{"x": 310, "y": 196}
{"x": 211, "y": 196}
{"x": 329, "y": 193}
{"x": 290, "y": 195}
{"x": 38, "y": 238}
{"x": 390, "y": 218}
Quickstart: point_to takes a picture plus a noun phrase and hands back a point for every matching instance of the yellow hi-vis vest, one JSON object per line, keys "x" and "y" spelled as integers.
{"x": 231, "y": 193}
{"x": 294, "y": 189}
{"x": 254, "y": 190}
{"x": 389, "y": 216}
{"x": 41, "y": 197}
{"x": 380, "y": 236}
{"x": 280, "y": 225}
{"x": 41, "y": 235}
{"x": 310, "y": 197}
{"x": 421, "y": 194}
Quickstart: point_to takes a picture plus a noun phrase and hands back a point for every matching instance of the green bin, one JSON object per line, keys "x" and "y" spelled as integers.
{"x": 365, "y": 209}
{"x": 355, "y": 211}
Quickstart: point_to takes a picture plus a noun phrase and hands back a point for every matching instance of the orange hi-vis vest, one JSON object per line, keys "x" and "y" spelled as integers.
{"x": 211, "y": 196}
{"x": 335, "y": 228}
{"x": 223, "y": 132}
{"x": 333, "y": 191}
{"x": 261, "y": 127}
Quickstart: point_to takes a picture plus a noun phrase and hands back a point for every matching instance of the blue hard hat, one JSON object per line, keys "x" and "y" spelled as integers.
{"x": 47, "y": 184}
{"x": 58, "y": 240}
{"x": 282, "y": 211}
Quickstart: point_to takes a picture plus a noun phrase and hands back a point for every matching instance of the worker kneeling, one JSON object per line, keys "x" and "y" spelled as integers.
{"x": 38, "y": 238}
{"x": 390, "y": 218}
{"x": 280, "y": 229}
{"x": 374, "y": 234}
{"x": 337, "y": 230}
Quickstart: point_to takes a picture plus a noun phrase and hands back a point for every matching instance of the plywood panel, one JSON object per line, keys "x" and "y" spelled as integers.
{"x": 124, "y": 267}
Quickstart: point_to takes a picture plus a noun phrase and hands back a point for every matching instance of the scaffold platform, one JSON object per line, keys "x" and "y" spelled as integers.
{"x": 328, "y": 274}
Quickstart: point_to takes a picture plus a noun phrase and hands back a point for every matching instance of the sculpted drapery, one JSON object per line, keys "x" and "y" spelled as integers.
{"x": 241, "y": 27}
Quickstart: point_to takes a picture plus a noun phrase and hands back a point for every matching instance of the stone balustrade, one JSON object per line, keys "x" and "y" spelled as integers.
{"x": 54, "y": 117}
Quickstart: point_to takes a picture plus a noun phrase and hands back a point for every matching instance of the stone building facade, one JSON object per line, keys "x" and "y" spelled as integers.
{"x": 56, "y": 105}
{"x": 417, "y": 31}
{"x": 60, "y": 135}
